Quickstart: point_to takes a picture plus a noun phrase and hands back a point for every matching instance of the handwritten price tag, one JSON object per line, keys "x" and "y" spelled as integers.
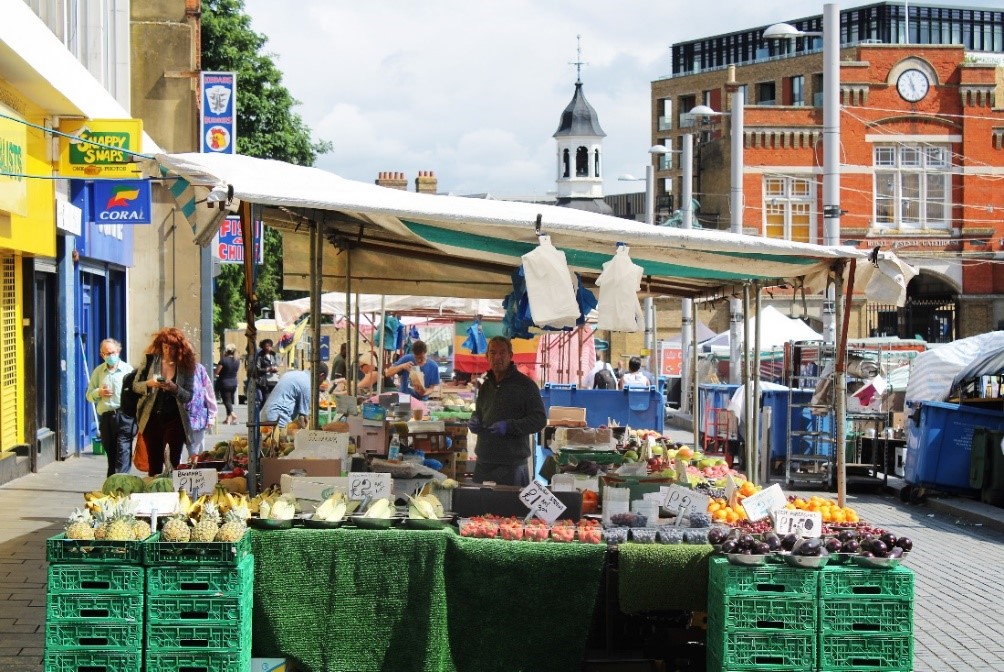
{"x": 363, "y": 484}
{"x": 542, "y": 502}
{"x": 760, "y": 505}
{"x": 802, "y": 523}
{"x": 679, "y": 498}
{"x": 194, "y": 481}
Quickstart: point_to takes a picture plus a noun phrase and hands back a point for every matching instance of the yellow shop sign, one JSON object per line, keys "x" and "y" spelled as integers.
{"x": 13, "y": 162}
{"x": 99, "y": 148}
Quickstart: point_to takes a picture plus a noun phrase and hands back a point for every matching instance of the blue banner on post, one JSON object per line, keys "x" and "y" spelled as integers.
{"x": 218, "y": 127}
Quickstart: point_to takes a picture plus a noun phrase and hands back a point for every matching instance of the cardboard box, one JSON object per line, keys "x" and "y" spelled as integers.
{"x": 274, "y": 467}
{"x": 566, "y": 415}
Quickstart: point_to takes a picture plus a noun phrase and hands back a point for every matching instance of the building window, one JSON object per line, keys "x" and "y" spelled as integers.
{"x": 788, "y": 208}
{"x": 765, "y": 93}
{"x": 797, "y": 90}
{"x": 582, "y": 162}
{"x": 666, "y": 117}
{"x": 817, "y": 89}
{"x": 913, "y": 186}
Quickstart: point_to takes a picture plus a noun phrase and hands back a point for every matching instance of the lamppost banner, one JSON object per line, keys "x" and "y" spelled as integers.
{"x": 218, "y": 120}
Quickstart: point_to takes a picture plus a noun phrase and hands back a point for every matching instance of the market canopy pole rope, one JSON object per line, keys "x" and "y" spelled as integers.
{"x": 248, "y": 212}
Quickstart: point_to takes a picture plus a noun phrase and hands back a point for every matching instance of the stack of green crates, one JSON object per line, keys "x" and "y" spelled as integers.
{"x": 865, "y": 619}
{"x": 198, "y": 606}
{"x": 94, "y": 606}
{"x": 761, "y": 618}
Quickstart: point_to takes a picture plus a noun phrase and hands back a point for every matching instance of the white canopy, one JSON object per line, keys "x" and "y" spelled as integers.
{"x": 935, "y": 371}
{"x": 776, "y": 330}
{"x": 334, "y": 303}
{"x": 405, "y": 243}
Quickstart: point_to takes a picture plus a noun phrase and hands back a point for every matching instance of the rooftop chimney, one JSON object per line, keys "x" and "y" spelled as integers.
{"x": 392, "y": 180}
{"x": 426, "y": 182}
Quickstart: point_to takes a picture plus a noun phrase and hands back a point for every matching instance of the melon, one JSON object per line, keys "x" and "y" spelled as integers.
{"x": 160, "y": 484}
{"x": 123, "y": 483}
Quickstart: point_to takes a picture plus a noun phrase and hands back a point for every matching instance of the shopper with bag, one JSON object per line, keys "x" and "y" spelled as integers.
{"x": 162, "y": 413}
{"x": 202, "y": 411}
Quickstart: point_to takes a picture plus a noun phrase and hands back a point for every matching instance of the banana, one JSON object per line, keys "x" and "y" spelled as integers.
{"x": 184, "y": 502}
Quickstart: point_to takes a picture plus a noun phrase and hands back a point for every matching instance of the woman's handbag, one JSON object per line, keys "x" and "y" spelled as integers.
{"x": 139, "y": 457}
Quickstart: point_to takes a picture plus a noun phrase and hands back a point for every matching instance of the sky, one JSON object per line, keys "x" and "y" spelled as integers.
{"x": 473, "y": 90}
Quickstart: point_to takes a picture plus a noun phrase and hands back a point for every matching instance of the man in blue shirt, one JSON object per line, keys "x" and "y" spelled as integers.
{"x": 417, "y": 386}
{"x": 291, "y": 397}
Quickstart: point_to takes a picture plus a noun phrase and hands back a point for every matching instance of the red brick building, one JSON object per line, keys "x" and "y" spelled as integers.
{"x": 922, "y": 156}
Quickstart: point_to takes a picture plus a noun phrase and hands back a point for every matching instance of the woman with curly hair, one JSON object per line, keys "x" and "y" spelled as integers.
{"x": 166, "y": 383}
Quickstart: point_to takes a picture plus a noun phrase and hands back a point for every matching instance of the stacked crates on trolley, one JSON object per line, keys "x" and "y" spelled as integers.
{"x": 198, "y": 606}
{"x": 94, "y": 606}
{"x": 761, "y": 618}
{"x": 865, "y": 619}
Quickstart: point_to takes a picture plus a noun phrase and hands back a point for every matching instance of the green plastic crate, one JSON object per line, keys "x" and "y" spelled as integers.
{"x": 862, "y": 617}
{"x": 194, "y": 608}
{"x": 715, "y": 665}
{"x": 78, "y": 578}
{"x": 95, "y": 606}
{"x": 94, "y": 661}
{"x": 157, "y": 552}
{"x": 856, "y": 582}
{"x": 199, "y": 661}
{"x": 751, "y": 650}
{"x": 876, "y": 653}
{"x": 85, "y": 634}
{"x": 188, "y": 580}
{"x": 60, "y": 549}
{"x": 776, "y": 614}
{"x": 770, "y": 580}
{"x": 174, "y": 637}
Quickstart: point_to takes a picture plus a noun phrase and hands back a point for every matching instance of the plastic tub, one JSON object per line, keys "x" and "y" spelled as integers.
{"x": 641, "y": 408}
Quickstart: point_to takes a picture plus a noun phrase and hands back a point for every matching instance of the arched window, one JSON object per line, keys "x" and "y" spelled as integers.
{"x": 581, "y": 162}
{"x": 564, "y": 160}
{"x": 596, "y": 163}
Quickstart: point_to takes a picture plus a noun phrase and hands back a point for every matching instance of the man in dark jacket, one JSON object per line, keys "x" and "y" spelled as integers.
{"x": 508, "y": 412}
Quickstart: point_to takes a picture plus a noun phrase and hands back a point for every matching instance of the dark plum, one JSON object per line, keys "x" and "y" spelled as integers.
{"x": 789, "y": 541}
{"x": 851, "y": 546}
{"x": 847, "y": 535}
{"x": 833, "y": 544}
{"x": 867, "y": 554}
{"x": 773, "y": 541}
{"x": 717, "y": 535}
{"x": 809, "y": 547}
{"x": 746, "y": 541}
{"x": 905, "y": 543}
{"x": 730, "y": 546}
{"x": 761, "y": 548}
{"x": 879, "y": 549}
{"x": 889, "y": 539}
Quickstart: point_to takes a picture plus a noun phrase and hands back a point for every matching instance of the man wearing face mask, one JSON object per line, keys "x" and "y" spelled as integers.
{"x": 105, "y": 391}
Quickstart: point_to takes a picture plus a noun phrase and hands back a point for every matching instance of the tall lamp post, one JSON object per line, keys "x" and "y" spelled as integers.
{"x": 831, "y": 204}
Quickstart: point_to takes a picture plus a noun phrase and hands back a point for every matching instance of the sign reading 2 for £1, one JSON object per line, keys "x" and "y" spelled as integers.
{"x": 100, "y": 148}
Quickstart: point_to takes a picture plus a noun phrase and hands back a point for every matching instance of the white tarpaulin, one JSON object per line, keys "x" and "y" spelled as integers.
{"x": 398, "y": 242}
{"x": 333, "y": 303}
{"x": 776, "y": 329}
{"x": 934, "y": 372}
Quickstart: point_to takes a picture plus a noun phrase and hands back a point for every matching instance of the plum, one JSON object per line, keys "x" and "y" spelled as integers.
{"x": 889, "y": 539}
{"x": 717, "y": 535}
{"x": 761, "y": 548}
{"x": 905, "y": 543}
{"x": 746, "y": 541}
{"x": 789, "y": 541}
{"x": 879, "y": 549}
{"x": 847, "y": 535}
{"x": 773, "y": 541}
{"x": 730, "y": 546}
{"x": 833, "y": 544}
{"x": 851, "y": 546}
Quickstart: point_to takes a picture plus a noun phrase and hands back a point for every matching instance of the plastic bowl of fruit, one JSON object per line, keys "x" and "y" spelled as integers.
{"x": 807, "y": 561}
{"x": 257, "y": 523}
{"x": 321, "y": 524}
{"x": 877, "y": 563}
{"x": 746, "y": 559}
{"x": 366, "y": 523}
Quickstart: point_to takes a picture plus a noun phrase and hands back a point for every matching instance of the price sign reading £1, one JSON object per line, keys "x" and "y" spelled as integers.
{"x": 542, "y": 502}
{"x": 194, "y": 481}
{"x": 802, "y": 523}
{"x": 678, "y": 498}
{"x": 363, "y": 484}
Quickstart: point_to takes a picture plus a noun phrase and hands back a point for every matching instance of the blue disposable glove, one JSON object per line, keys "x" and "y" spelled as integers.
{"x": 500, "y": 428}
{"x": 474, "y": 424}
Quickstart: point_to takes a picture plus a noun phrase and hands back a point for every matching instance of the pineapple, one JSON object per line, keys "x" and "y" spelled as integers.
{"x": 176, "y": 529}
{"x": 208, "y": 525}
{"x": 80, "y": 525}
{"x": 120, "y": 525}
{"x": 233, "y": 527}
{"x": 102, "y": 518}
{"x": 141, "y": 529}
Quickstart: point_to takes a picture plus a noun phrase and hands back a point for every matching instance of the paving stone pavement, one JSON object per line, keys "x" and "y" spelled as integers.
{"x": 958, "y": 566}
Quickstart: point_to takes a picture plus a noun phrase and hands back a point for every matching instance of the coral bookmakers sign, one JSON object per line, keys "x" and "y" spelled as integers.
{"x": 219, "y": 116}
{"x": 122, "y": 202}
{"x": 100, "y": 148}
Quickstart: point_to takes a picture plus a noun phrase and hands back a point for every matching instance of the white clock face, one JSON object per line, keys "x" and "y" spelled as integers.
{"x": 912, "y": 85}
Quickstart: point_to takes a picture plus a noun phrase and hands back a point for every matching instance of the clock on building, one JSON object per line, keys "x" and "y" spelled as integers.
{"x": 912, "y": 85}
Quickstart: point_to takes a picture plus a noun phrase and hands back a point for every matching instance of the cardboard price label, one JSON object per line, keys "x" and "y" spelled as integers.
{"x": 155, "y": 503}
{"x": 731, "y": 490}
{"x": 194, "y": 481}
{"x": 679, "y": 498}
{"x": 363, "y": 484}
{"x": 542, "y": 503}
{"x": 760, "y": 505}
{"x": 802, "y": 523}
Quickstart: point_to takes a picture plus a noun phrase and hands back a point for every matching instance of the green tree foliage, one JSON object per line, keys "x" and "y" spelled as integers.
{"x": 267, "y": 127}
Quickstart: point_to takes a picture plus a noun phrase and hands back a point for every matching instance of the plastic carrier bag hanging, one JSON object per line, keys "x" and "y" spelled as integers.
{"x": 619, "y": 283}
{"x": 549, "y": 286}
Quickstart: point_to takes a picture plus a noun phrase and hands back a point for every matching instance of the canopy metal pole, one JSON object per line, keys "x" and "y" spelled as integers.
{"x": 351, "y": 329}
{"x": 383, "y": 342}
{"x": 248, "y": 216}
{"x": 756, "y": 386}
{"x": 695, "y": 407}
{"x": 317, "y": 252}
{"x": 356, "y": 304}
{"x": 842, "y": 317}
{"x": 748, "y": 414}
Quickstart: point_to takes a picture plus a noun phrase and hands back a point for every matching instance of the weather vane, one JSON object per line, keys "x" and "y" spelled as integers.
{"x": 578, "y": 63}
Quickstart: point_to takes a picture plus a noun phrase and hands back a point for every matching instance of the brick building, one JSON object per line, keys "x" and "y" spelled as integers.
{"x": 922, "y": 152}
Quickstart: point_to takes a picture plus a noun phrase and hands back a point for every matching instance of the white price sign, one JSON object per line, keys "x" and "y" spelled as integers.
{"x": 542, "y": 502}
{"x": 731, "y": 488}
{"x": 155, "y": 503}
{"x": 678, "y": 498}
{"x": 194, "y": 481}
{"x": 363, "y": 484}
{"x": 802, "y": 523}
{"x": 760, "y": 505}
